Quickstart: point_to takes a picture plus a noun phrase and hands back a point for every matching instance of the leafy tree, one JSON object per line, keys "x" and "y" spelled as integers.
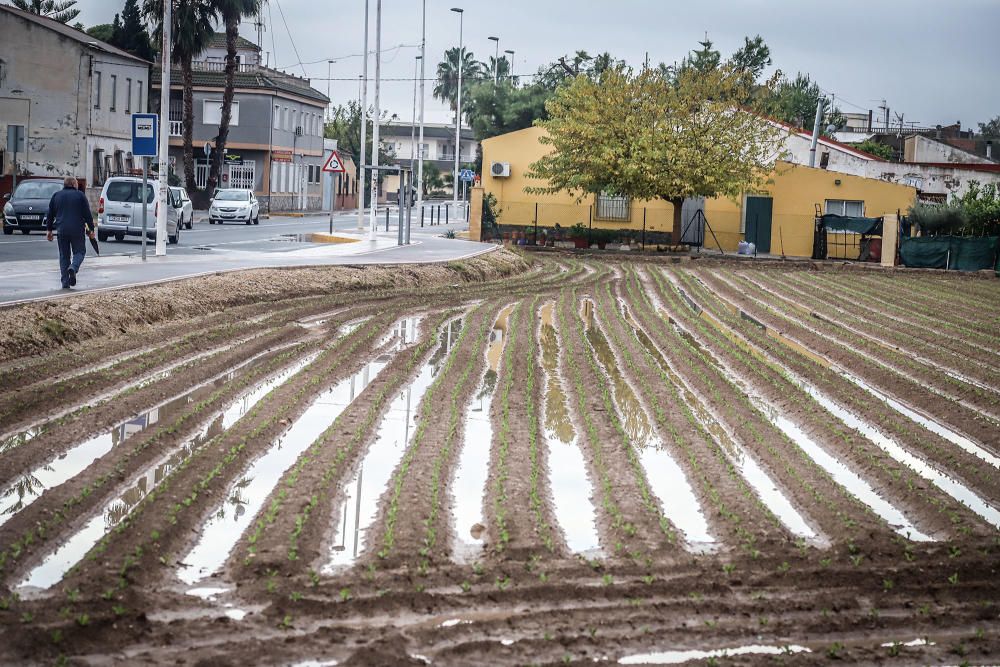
{"x": 102, "y": 32}
{"x": 752, "y": 58}
{"x": 502, "y": 68}
{"x": 990, "y": 128}
{"x": 647, "y": 136}
{"x": 703, "y": 60}
{"x": 981, "y": 204}
{"x": 794, "y": 102}
{"x": 192, "y": 28}
{"x": 129, "y": 32}
{"x": 231, "y": 12}
{"x": 446, "y": 88}
{"x": 57, "y": 10}
{"x": 345, "y": 127}
{"x": 875, "y": 148}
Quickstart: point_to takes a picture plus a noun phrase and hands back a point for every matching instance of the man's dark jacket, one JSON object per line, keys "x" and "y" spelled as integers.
{"x": 69, "y": 212}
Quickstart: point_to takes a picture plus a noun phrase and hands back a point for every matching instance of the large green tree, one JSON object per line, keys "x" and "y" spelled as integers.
{"x": 63, "y": 11}
{"x": 231, "y": 12}
{"x": 990, "y": 128}
{"x": 648, "y": 135}
{"x": 191, "y": 30}
{"x": 102, "y": 32}
{"x": 794, "y": 102}
{"x": 129, "y": 32}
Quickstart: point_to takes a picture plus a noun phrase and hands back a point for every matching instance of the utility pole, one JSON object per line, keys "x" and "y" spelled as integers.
{"x": 373, "y": 223}
{"x": 420, "y": 142}
{"x": 496, "y": 59}
{"x": 164, "y": 159}
{"x": 815, "y": 138}
{"x": 364, "y": 130}
{"x": 413, "y": 124}
{"x": 458, "y": 112}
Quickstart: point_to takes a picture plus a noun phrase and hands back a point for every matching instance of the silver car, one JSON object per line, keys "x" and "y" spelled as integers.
{"x": 185, "y": 210}
{"x": 119, "y": 211}
{"x": 233, "y": 205}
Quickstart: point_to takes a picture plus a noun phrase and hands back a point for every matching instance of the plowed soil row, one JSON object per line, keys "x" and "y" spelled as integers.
{"x": 659, "y": 346}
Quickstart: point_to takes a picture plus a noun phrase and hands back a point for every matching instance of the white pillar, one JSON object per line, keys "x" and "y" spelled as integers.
{"x": 164, "y": 158}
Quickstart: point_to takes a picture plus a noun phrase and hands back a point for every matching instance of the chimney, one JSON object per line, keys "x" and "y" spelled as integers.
{"x": 869, "y": 120}
{"x": 937, "y": 132}
{"x": 989, "y": 150}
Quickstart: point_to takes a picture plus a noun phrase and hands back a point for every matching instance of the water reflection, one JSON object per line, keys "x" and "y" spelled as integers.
{"x": 362, "y": 492}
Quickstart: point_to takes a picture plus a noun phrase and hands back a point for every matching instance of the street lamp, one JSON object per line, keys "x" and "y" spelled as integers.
{"x": 510, "y": 69}
{"x": 329, "y": 104}
{"x": 458, "y": 114}
{"x": 363, "y": 94}
{"x": 376, "y": 115}
{"x": 413, "y": 125}
{"x": 420, "y": 141}
{"x": 496, "y": 59}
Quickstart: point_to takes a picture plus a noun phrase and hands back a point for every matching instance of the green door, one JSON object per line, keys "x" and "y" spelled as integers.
{"x": 759, "y": 222}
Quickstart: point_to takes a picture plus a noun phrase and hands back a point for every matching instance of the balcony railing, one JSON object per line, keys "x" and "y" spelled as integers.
{"x": 206, "y": 66}
{"x": 176, "y": 128}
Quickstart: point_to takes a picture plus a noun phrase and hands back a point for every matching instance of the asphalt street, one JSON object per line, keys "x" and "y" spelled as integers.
{"x": 29, "y": 264}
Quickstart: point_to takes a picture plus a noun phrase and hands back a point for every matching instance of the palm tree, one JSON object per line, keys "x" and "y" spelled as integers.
{"x": 446, "y": 88}
{"x": 192, "y": 29}
{"x": 57, "y": 11}
{"x": 231, "y": 12}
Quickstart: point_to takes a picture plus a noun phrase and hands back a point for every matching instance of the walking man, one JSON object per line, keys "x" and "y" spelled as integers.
{"x": 69, "y": 214}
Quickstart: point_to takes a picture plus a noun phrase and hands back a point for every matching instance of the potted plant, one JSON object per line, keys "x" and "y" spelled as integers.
{"x": 578, "y": 233}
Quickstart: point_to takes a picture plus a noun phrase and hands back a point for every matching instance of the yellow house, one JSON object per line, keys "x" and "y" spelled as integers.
{"x": 779, "y": 218}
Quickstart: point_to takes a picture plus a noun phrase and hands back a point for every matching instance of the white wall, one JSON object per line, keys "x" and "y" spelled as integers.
{"x": 922, "y": 149}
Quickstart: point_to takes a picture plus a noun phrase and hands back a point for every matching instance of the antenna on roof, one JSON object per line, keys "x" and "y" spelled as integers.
{"x": 259, "y": 24}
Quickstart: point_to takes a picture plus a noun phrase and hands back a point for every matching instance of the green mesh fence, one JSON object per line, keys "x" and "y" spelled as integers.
{"x": 952, "y": 252}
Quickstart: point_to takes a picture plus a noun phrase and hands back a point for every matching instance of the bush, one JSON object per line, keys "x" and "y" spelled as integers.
{"x": 938, "y": 219}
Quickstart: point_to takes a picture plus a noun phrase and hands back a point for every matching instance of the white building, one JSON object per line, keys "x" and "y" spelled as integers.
{"x": 73, "y": 94}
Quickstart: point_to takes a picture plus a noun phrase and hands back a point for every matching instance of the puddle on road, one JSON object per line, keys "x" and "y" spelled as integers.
{"x": 568, "y": 480}
{"x": 26, "y": 490}
{"x": 666, "y": 479}
{"x": 469, "y": 486}
{"x": 362, "y": 492}
{"x": 765, "y": 487}
{"x": 70, "y": 552}
{"x": 224, "y": 528}
{"x": 684, "y": 655}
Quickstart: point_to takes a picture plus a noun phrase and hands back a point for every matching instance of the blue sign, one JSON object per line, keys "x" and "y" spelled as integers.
{"x": 466, "y": 175}
{"x": 145, "y": 134}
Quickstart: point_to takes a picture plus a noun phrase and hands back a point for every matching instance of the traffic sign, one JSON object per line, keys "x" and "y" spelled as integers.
{"x": 334, "y": 164}
{"x": 466, "y": 175}
{"x": 208, "y": 149}
{"x": 145, "y": 134}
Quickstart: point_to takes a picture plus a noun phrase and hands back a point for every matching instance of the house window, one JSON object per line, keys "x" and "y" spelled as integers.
{"x": 212, "y": 113}
{"x": 138, "y": 96}
{"x": 99, "y": 174}
{"x": 97, "y": 90}
{"x": 854, "y": 209}
{"x": 613, "y": 207}
{"x": 128, "y": 95}
{"x": 114, "y": 93}
{"x": 119, "y": 162}
{"x": 277, "y": 117}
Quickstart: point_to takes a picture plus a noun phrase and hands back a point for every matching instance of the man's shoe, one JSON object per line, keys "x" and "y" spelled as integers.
{"x": 72, "y": 277}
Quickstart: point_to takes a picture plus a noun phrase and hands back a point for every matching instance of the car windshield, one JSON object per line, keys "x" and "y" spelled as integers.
{"x": 232, "y": 195}
{"x": 37, "y": 189}
{"x": 128, "y": 191}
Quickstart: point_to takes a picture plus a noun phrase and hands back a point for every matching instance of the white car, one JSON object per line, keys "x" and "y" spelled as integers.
{"x": 119, "y": 211}
{"x": 185, "y": 210}
{"x": 233, "y": 205}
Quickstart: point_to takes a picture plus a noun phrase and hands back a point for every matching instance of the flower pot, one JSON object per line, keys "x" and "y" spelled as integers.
{"x": 580, "y": 243}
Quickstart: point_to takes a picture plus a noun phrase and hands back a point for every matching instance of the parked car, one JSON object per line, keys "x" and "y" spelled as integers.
{"x": 233, "y": 205}
{"x": 119, "y": 211}
{"x": 27, "y": 207}
{"x": 185, "y": 210}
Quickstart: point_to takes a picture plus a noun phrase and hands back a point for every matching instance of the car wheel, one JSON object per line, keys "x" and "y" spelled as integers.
{"x": 102, "y": 236}
{"x": 175, "y": 238}
{"x": 8, "y": 230}
{"x": 256, "y": 220}
{"x": 190, "y": 222}
{"x": 249, "y": 220}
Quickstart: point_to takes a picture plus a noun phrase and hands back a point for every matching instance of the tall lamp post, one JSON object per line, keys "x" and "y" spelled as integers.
{"x": 329, "y": 76}
{"x": 164, "y": 137}
{"x": 360, "y": 188}
{"x": 510, "y": 70}
{"x": 420, "y": 142}
{"x": 413, "y": 125}
{"x": 373, "y": 213}
{"x": 496, "y": 59}
{"x": 458, "y": 113}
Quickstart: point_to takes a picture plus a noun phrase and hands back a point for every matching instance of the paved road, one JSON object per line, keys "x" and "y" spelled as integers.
{"x": 29, "y": 264}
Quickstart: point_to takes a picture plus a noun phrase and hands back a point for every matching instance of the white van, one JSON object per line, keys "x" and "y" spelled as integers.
{"x": 119, "y": 211}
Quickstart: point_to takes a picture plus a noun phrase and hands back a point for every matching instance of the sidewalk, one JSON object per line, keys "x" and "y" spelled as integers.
{"x": 39, "y": 279}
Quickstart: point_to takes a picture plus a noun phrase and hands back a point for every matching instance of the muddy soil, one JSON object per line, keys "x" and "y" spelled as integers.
{"x": 639, "y": 365}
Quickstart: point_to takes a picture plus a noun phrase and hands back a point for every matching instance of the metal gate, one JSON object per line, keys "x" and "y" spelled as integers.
{"x": 243, "y": 176}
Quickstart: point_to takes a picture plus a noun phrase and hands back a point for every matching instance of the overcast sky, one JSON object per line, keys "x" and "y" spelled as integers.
{"x": 933, "y": 61}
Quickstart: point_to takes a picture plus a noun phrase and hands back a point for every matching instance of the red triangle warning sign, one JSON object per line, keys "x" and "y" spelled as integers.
{"x": 334, "y": 165}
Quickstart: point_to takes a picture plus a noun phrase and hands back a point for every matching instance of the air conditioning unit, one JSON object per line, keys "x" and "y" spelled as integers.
{"x": 500, "y": 169}
{"x": 298, "y": 130}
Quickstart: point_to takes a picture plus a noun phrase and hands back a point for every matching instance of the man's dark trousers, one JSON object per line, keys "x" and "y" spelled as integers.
{"x": 72, "y": 250}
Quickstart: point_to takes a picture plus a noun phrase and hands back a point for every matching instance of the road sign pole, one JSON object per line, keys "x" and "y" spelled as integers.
{"x": 145, "y": 209}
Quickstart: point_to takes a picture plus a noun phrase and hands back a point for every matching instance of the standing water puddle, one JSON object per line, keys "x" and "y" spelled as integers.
{"x": 361, "y": 493}
{"x": 68, "y": 465}
{"x": 469, "y": 487}
{"x": 223, "y": 529}
{"x": 571, "y": 488}
{"x": 55, "y": 566}
{"x": 664, "y": 476}
{"x": 760, "y": 481}
{"x": 684, "y": 655}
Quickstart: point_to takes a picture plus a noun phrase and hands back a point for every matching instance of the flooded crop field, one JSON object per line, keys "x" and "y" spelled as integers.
{"x": 542, "y": 459}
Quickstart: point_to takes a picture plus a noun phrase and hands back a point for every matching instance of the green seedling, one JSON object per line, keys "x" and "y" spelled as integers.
{"x": 83, "y": 620}
{"x": 887, "y": 584}
{"x": 728, "y": 568}
{"x": 286, "y": 622}
{"x": 345, "y": 594}
{"x": 607, "y": 580}
{"x": 118, "y": 610}
{"x": 465, "y": 586}
{"x": 295, "y": 596}
{"x": 953, "y": 579}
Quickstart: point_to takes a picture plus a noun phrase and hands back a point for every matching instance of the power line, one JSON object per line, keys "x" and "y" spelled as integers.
{"x": 290, "y": 38}
{"x": 350, "y": 55}
{"x": 270, "y": 22}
